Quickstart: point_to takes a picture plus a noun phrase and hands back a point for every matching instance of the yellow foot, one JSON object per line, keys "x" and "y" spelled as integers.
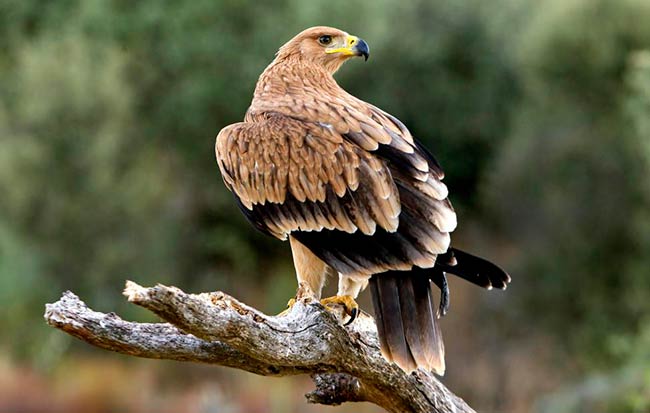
{"x": 290, "y": 304}
{"x": 349, "y": 305}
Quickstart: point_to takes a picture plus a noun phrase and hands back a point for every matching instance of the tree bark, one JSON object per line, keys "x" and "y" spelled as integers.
{"x": 344, "y": 362}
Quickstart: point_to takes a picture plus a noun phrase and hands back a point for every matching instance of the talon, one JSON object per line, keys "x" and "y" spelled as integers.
{"x": 441, "y": 281}
{"x": 290, "y": 304}
{"x": 350, "y": 306}
{"x": 353, "y": 315}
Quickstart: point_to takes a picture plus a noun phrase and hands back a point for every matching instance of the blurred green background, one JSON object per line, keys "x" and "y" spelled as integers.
{"x": 539, "y": 111}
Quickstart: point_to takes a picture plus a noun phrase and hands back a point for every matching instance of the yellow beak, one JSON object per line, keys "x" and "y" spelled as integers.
{"x": 353, "y": 47}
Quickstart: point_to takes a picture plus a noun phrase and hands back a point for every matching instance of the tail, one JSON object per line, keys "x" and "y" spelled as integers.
{"x": 474, "y": 269}
{"x": 407, "y": 323}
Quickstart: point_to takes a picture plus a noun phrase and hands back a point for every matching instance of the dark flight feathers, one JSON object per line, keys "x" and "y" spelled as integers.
{"x": 407, "y": 324}
{"x": 405, "y": 310}
{"x": 474, "y": 269}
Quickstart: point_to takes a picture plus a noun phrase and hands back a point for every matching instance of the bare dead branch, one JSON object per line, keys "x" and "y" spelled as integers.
{"x": 344, "y": 362}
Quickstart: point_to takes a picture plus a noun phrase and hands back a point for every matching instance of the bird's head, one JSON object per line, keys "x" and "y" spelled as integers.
{"x": 324, "y": 46}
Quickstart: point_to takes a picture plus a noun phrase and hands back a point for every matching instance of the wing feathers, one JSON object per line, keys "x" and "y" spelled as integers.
{"x": 474, "y": 269}
{"x": 320, "y": 161}
{"x": 337, "y": 185}
{"x": 363, "y": 140}
{"x": 376, "y": 132}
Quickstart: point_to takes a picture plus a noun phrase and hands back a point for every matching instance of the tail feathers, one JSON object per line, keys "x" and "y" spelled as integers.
{"x": 394, "y": 345}
{"x": 474, "y": 269}
{"x": 425, "y": 324}
{"x": 406, "y": 319}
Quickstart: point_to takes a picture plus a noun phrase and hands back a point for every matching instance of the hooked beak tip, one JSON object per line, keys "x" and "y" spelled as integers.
{"x": 362, "y": 49}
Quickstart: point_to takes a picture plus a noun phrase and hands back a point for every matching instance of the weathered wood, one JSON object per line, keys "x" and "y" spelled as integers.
{"x": 345, "y": 362}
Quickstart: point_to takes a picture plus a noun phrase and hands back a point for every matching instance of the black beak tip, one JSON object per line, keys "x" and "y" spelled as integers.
{"x": 362, "y": 49}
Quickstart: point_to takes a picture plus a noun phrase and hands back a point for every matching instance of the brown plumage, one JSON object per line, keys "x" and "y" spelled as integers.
{"x": 352, "y": 189}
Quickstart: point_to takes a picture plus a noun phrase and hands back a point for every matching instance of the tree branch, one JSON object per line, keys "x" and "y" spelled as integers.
{"x": 345, "y": 362}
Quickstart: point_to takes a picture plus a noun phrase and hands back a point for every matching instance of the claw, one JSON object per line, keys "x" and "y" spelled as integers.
{"x": 349, "y": 305}
{"x": 441, "y": 281}
{"x": 353, "y": 315}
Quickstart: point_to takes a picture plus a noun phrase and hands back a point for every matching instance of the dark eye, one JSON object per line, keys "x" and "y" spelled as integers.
{"x": 325, "y": 40}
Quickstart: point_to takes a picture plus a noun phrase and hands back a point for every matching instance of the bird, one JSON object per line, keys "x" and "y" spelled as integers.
{"x": 353, "y": 192}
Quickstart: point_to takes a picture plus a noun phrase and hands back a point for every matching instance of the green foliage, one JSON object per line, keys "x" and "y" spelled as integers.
{"x": 625, "y": 389}
{"x": 568, "y": 185}
{"x": 637, "y": 100}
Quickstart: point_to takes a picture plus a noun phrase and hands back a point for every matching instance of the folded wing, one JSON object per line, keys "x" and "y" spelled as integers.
{"x": 290, "y": 175}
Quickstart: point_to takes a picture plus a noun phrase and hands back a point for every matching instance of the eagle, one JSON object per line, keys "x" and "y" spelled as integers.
{"x": 354, "y": 193}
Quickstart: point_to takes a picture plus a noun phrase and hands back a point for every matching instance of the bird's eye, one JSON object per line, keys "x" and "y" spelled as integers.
{"x": 325, "y": 40}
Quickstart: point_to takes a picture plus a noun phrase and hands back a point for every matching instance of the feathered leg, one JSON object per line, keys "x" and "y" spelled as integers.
{"x": 309, "y": 268}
